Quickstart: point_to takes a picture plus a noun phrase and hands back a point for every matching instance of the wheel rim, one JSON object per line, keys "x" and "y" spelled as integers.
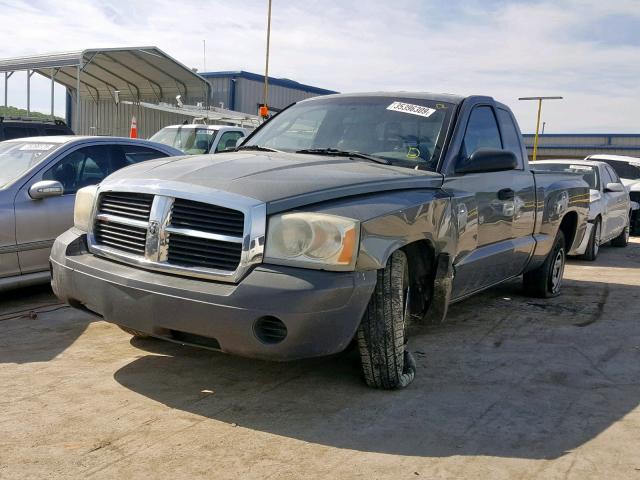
{"x": 557, "y": 271}
{"x": 596, "y": 240}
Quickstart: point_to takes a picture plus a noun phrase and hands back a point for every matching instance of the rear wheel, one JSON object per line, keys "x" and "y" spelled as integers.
{"x": 622, "y": 240}
{"x": 594, "y": 241}
{"x": 134, "y": 333}
{"x": 546, "y": 280}
{"x": 382, "y": 335}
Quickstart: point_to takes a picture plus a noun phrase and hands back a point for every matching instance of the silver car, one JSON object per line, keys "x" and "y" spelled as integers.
{"x": 39, "y": 177}
{"x": 609, "y": 204}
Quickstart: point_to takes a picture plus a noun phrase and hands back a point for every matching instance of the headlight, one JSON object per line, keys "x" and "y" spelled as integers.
{"x": 312, "y": 240}
{"x": 85, "y": 197}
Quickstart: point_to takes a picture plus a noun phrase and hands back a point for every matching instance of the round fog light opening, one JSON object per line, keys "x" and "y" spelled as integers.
{"x": 270, "y": 330}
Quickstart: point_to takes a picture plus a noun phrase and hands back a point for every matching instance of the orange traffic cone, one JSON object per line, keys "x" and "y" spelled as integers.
{"x": 133, "y": 132}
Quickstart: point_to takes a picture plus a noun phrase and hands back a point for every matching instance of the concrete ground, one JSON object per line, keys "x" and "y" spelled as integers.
{"x": 511, "y": 387}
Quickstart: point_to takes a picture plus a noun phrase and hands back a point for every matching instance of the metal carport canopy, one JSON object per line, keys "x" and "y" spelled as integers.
{"x": 135, "y": 72}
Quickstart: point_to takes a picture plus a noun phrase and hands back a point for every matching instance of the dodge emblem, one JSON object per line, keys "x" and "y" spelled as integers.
{"x": 153, "y": 228}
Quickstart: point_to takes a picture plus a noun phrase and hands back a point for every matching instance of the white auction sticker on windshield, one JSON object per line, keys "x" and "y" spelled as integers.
{"x": 411, "y": 109}
{"x": 36, "y": 146}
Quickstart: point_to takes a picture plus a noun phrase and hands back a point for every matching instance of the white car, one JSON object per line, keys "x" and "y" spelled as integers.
{"x": 609, "y": 203}
{"x": 197, "y": 139}
{"x": 628, "y": 169}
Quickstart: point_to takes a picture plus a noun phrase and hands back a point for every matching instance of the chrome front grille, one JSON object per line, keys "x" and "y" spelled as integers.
{"x": 160, "y": 230}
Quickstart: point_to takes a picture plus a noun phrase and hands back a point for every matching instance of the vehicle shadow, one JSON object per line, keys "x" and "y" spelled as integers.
{"x": 609, "y": 256}
{"x": 506, "y": 376}
{"x": 35, "y": 326}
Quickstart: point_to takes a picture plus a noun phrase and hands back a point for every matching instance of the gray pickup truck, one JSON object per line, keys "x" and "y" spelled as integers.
{"x": 343, "y": 219}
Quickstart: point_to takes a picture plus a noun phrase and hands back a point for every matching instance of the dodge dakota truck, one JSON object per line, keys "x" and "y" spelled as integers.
{"x": 344, "y": 218}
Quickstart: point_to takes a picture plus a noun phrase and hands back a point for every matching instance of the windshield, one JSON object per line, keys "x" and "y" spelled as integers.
{"x": 192, "y": 141}
{"x": 629, "y": 171}
{"x": 589, "y": 173}
{"x": 408, "y": 133}
{"x": 18, "y": 157}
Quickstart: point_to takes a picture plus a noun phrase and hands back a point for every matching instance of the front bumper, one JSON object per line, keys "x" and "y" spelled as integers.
{"x": 321, "y": 310}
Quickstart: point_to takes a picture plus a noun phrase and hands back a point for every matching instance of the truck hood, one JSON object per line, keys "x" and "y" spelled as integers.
{"x": 281, "y": 180}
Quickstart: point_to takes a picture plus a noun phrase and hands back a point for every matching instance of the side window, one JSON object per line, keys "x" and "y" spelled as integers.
{"x": 54, "y": 131}
{"x": 606, "y": 177}
{"x": 228, "y": 140}
{"x": 510, "y": 136}
{"x": 482, "y": 131}
{"x": 85, "y": 166}
{"x": 19, "y": 132}
{"x": 135, "y": 154}
{"x": 613, "y": 174}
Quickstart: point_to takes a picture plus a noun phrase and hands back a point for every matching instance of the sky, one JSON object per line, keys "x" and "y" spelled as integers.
{"x": 587, "y": 51}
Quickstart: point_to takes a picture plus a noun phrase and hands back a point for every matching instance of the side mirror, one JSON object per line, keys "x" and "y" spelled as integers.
{"x": 45, "y": 189}
{"x": 614, "y": 187}
{"x": 488, "y": 160}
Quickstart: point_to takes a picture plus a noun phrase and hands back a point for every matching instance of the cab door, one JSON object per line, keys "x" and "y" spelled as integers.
{"x": 487, "y": 202}
{"x": 617, "y": 205}
{"x": 39, "y": 222}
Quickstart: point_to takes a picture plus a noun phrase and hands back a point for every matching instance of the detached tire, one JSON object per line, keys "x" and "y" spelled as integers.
{"x": 134, "y": 333}
{"x": 386, "y": 363}
{"x": 622, "y": 240}
{"x": 546, "y": 280}
{"x": 594, "y": 241}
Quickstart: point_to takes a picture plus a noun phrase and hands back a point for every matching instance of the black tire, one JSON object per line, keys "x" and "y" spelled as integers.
{"x": 546, "y": 280}
{"x": 622, "y": 240}
{"x": 635, "y": 222}
{"x": 386, "y": 363}
{"x": 134, "y": 333}
{"x": 594, "y": 241}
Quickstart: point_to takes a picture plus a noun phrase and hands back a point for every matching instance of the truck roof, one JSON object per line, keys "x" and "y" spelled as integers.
{"x": 438, "y": 97}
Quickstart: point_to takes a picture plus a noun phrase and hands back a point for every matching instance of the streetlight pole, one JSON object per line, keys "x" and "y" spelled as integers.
{"x": 539, "y": 99}
{"x": 264, "y": 110}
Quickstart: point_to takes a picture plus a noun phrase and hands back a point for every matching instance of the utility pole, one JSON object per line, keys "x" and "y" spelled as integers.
{"x": 539, "y": 99}
{"x": 204, "y": 55}
{"x": 264, "y": 109}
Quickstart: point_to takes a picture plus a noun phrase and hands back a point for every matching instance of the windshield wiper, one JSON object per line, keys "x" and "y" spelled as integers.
{"x": 344, "y": 153}
{"x": 255, "y": 147}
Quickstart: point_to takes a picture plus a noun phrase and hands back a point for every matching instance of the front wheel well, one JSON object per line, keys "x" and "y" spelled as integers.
{"x": 568, "y": 226}
{"x": 421, "y": 259}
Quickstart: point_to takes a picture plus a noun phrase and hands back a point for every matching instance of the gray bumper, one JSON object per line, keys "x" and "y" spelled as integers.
{"x": 321, "y": 310}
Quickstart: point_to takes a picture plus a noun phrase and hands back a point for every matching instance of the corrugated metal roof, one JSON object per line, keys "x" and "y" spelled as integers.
{"x": 136, "y": 72}
{"x": 282, "y": 82}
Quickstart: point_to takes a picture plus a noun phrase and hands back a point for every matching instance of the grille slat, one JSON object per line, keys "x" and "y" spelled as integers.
{"x": 202, "y": 252}
{"x": 128, "y": 205}
{"x": 124, "y": 237}
{"x": 207, "y": 218}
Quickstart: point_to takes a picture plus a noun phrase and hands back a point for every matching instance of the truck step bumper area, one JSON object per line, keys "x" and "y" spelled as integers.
{"x": 276, "y": 313}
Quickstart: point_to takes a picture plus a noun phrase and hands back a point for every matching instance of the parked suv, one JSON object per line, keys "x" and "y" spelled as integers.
{"x": 343, "y": 218}
{"x": 20, "y": 127}
{"x": 196, "y": 139}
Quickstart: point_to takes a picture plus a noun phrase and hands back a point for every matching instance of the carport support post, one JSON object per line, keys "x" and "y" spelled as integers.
{"x": 28, "y": 92}
{"x": 7, "y": 76}
{"x": 52, "y": 92}
{"x": 79, "y": 69}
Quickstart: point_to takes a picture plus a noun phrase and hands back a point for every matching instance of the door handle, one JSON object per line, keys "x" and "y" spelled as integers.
{"x": 506, "y": 194}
